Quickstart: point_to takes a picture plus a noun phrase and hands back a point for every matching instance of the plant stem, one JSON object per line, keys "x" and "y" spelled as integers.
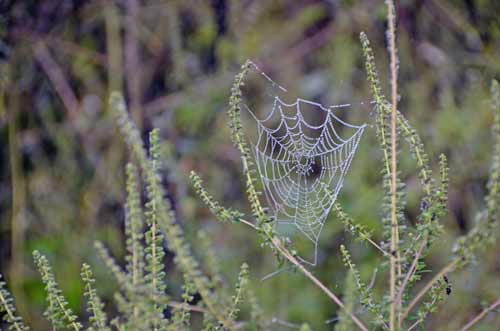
{"x": 5, "y": 305}
{"x": 481, "y": 315}
{"x": 449, "y": 267}
{"x": 407, "y": 278}
{"x": 56, "y": 76}
{"x": 18, "y": 200}
{"x": 276, "y": 242}
{"x": 153, "y": 265}
{"x": 133, "y": 68}
{"x": 187, "y": 306}
{"x": 377, "y": 246}
{"x": 394, "y": 221}
{"x": 114, "y": 47}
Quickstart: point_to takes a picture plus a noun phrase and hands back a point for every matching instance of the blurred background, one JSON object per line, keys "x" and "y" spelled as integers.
{"x": 62, "y": 159}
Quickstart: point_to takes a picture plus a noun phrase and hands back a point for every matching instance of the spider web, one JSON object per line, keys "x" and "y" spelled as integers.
{"x": 302, "y": 162}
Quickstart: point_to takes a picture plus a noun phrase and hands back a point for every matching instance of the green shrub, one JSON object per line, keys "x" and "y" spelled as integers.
{"x": 142, "y": 297}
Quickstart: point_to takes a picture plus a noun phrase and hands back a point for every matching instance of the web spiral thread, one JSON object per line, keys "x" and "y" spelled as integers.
{"x": 302, "y": 165}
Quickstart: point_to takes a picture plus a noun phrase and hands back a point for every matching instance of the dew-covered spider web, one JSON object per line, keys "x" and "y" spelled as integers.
{"x": 302, "y": 152}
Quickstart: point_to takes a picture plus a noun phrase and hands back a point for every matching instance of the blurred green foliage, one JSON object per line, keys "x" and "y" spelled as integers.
{"x": 62, "y": 175}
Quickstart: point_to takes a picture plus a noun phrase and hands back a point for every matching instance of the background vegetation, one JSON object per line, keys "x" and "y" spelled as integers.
{"x": 63, "y": 170}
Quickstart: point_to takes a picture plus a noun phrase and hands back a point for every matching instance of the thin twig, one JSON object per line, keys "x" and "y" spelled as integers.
{"x": 9, "y": 312}
{"x": 419, "y": 320}
{"x": 186, "y": 306}
{"x": 276, "y": 242}
{"x": 449, "y": 267}
{"x": 377, "y": 246}
{"x": 414, "y": 325}
{"x": 408, "y": 276}
{"x": 250, "y": 224}
{"x": 56, "y": 76}
{"x": 481, "y": 315}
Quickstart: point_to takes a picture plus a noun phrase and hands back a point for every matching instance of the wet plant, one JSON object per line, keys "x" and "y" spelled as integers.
{"x": 143, "y": 301}
{"x": 407, "y": 304}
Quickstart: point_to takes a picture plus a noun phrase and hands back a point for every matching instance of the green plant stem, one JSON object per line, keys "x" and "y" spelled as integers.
{"x": 354, "y": 228}
{"x": 114, "y": 47}
{"x": 394, "y": 220}
{"x": 74, "y": 325}
{"x": 9, "y": 312}
{"x": 133, "y": 67}
{"x": 154, "y": 272}
{"x": 289, "y": 256}
{"x": 186, "y": 306}
{"x": 409, "y": 274}
{"x": 448, "y": 268}
{"x": 420, "y": 319}
{"x": 481, "y": 315}
{"x": 18, "y": 201}
{"x": 276, "y": 242}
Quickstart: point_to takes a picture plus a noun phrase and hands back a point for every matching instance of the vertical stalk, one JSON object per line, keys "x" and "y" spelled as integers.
{"x": 391, "y": 35}
{"x": 114, "y": 48}
{"x": 18, "y": 201}
{"x": 132, "y": 60}
{"x": 175, "y": 43}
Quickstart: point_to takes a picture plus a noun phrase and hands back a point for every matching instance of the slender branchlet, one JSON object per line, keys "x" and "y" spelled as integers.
{"x": 8, "y": 310}
{"x": 365, "y": 293}
{"x": 229, "y": 215}
{"x": 344, "y": 322}
{"x": 493, "y": 197}
{"x": 239, "y": 292}
{"x": 134, "y": 226}
{"x": 210, "y": 260}
{"x": 155, "y": 268}
{"x": 480, "y": 316}
{"x": 98, "y": 319}
{"x": 444, "y": 181}
{"x": 172, "y": 231}
{"x": 136, "y": 298}
{"x": 239, "y": 142}
{"x": 181, "y": 313}
{"x": 57, "y": 312}
{"x": 486, "y": 221}
{"x": 357, "y": 230}
{"x": 120, "y": 276}
{"x": 257, "y": 321}
{"x": 436, "y": 296}
{"x": 222, "y": 214}
{"x": 127, "y": 319}
{"x": 380, "y": 103}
